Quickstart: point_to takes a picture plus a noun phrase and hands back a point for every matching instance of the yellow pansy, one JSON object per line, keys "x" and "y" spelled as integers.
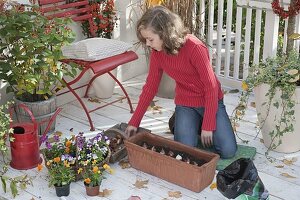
{"x": 106, "y": 166}
{"x": 244, "y": 86}
{"x": 95, "y": 169}
{"x": 79, "y": 170}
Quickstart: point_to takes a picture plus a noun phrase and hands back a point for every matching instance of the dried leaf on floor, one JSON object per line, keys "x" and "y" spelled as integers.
{"x": 234, "y": 91}
{"x": 124, "y": 164}
{"x": 32, "y": 198}
{"x": 141, "y": 184}
{"x": 213, "y": 186}
{"x": 224, "y": 92}
{"x": 175, "y": 194}
{"x": 120, "y": 99}
{"x": 252, "y": 104}
{"x": 94, "y": 100}
{"x": 261, "y": 140}
{"x": 105, "y": 193}
{"x": 287, "y": 175}
{"x": 279, "y": 166}
{"x": 289, "y": 162}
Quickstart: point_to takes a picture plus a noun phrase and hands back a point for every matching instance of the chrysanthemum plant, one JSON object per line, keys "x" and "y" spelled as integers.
{"x": 280, "y": 73}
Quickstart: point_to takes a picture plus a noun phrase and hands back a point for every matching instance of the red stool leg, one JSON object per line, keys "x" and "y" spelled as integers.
{"x": 82, "y": 104}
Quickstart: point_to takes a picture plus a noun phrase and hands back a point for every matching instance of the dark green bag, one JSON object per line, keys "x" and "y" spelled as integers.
{"x": 240, "y": 179}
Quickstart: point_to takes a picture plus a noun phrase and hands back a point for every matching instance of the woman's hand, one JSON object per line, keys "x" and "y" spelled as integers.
{"x": 130, "y": 130}
{"x": 207, "y": 138}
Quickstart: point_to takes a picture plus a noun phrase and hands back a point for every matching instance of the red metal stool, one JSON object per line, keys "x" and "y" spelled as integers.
{"x": 81, "y": 11}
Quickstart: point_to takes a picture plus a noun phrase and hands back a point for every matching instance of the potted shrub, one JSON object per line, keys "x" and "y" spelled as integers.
{"x": 31, "y": 52}
{"x": 275, "y": 83}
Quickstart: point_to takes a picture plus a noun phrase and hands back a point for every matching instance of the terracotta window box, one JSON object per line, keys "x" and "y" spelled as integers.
{"x": 186, "y": 175}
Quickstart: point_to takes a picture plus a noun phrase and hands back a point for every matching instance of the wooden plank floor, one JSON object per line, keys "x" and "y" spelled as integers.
{"x": 121, "y": 182}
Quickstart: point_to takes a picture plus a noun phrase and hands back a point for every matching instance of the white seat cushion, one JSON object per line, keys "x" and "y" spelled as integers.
{"x": 95, "y": 49}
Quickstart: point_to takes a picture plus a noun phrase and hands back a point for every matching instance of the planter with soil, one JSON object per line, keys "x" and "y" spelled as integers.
{"x": 172, "y": 161}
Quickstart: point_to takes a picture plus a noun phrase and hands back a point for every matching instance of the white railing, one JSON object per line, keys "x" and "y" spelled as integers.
{"x": 232, "y": 47}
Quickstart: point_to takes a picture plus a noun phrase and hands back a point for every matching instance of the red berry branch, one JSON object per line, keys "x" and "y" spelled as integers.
{"x": 293, "y": 9}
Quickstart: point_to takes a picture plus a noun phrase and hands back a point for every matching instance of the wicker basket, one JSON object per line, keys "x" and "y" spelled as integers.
{"x": 189, "y": 176}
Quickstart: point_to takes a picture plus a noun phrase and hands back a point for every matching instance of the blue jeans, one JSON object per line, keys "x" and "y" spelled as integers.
{"x": 188, "y": 121}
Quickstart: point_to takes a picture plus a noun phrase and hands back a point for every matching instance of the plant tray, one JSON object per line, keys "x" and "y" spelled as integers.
{"x": 117, "y": 132}
{"x": 186, "y": 175}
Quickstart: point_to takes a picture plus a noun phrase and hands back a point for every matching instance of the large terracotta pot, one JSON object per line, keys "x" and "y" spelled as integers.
{"x": 290, "y": 141}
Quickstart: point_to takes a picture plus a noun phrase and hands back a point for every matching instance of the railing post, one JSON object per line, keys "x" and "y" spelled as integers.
{"x": 271, "y": 36}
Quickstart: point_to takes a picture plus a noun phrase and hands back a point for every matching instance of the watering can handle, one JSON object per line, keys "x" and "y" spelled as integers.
{"x": 50, "y": 123}
{"x": 35, "y": 124}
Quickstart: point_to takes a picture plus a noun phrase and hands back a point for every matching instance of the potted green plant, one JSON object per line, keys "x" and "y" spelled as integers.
{"x": 275, "y": 83}
{"x": 5, "y": 135}
{"x": 92, "y": 177}
{"x": 61, "y": 174}
{"x": 30, "y": 53}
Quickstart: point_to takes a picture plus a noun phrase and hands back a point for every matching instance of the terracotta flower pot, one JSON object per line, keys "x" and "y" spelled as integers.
{"x": 62, "y": 190}
{"x": 92, "y": 190}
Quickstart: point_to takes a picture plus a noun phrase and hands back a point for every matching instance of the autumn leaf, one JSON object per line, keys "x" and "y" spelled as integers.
{"x": 289, "y": 162}
{"x": 279, "y": 166}
{"x": 105, "y": 193}
{"x": 141, "y": 184}
{"x": 252, "y": 104}
{"x": 94, "y": 100}
{"x": 261, "y": 140}
{"x": 233, "y": 91}
{"x": 287, "y": 175}
{"x": 213, "y": 186}
{"x": 124, "y": 164}
{"x": 175, "y": 194}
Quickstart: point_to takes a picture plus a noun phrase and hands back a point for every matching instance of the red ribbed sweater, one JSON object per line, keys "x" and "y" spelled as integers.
{"x": 196, "y": 83}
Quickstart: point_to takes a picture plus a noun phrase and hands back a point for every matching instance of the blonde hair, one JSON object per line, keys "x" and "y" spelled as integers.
{"x": 166, "y": 24}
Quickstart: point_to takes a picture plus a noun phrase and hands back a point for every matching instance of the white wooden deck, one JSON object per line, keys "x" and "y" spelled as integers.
{"x": 281, "y": 180}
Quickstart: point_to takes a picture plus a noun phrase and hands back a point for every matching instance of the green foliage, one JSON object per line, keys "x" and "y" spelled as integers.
{"x": 281, "y": 74}
{"x": 30, "y": 51}
{"x": 5, "y": 137}
{"x": 60, "y": 172}
{"x": 5, "y": 130}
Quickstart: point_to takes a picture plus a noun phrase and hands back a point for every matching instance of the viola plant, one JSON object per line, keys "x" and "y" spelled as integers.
{"x": 93, "y": 175}
{"x": 92, "y": 151}
{"x": 70, "y": 154}
{"x": 60, "y": 171}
